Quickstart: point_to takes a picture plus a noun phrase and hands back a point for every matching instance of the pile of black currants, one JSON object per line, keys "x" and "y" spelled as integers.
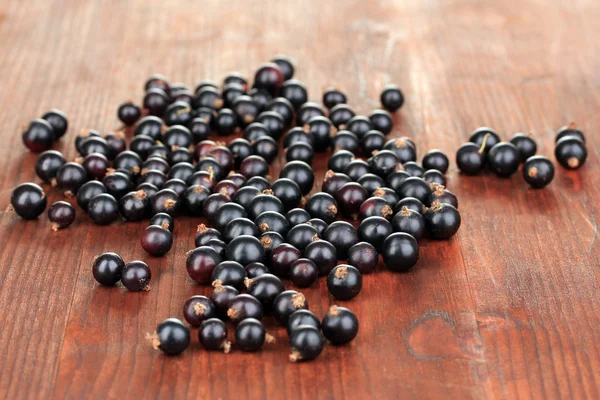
{"x": 207, "y": 153}
{"x": 485, "y": 148}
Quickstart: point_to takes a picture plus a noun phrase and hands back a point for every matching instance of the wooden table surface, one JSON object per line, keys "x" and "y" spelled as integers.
{"x": 508, "y": 308}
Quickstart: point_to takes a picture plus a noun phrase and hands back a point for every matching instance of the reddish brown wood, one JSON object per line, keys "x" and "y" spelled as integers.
{"x": 508, "y": 308}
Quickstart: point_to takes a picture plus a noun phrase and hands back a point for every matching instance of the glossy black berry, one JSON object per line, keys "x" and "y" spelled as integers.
{"x": 272, "y": 221}
{"x": 238, "y": 227}
{"x": 185, "y": 171}
{"x": 61, "y": 214}
{"x": 376, "y": 207}
{"x": 254, "y": 166}
{"x": 303, "y": 272}
{"x": 227, "y": 213}
{"x": 525, "y": 144}
{"x": 179, "y": 155}
{"x": 136, "y": 276}
{"x": 198, "y": 309}
{"x": 265, "y": 147}
{"x": 261, "y": 97}
{"x": 164, "y": 201}
{"x": 372, "y": 141}
{"x": 391, "y": 98}
{"x": 128, "y": 160}
{"x": 470, "y": 158}
{"x": 359, "y": 125}
{"x": 570, "y": 152}
{"x": 240, "y": 149}
{"x": 415, "y": 187}
{"x": 288, "y": 192}
{"x": 332, "y": 97}
{"x": 269, "y": 77}
{"x": 409, "y": 221}
{"x": 538, "y": 171}
{"x": 388, "y": 194}
{"x": 570, "y": 130}
{"x": 157, "y": 81}
{"x": 323, "y": 254}
{"x": 200, "y": 264}
{"x": 349, "y": 199}
{"x": 302, "y": 235}
{"x": 226, "y": 187}
{"x": 382, "y": 121}
{"x": 149, "y": 188}
{"x": 154, "y": 177}
{"x": 265, "y": 288}
{"x": 107, "y": 268}
{"x": 434, "y": 176}
{"x": 442, "y": 220}
{"x": 319, "y": 225}
{"x": 274, "y": 123}
{"x": 485, "y": 138}
{"x": 345, "y": 140}
{"x": 400, "y": 252}
{"x": 340, "y": 325}
{"x": 213, "y": 335}
{"x": 221, "y": 296}
{"x": 356, "y": 169}
{"x": 156, "y": 102}
{"x": 256, "y": 269}
{"x": 300, "y": 152}
{"x": 256, "y": 130}
{"x": 208, "y": 97}
{"x": 286, "y": 303}
{"x": 286, "y": 65}
{"x": 402, "y": 148}
{"x": 245, "y": 250}
{"x": 308, "y": 111}
{"x": 443, "y": 195}
{"x": 295, "y": 92}
{"x": 340, "y": 115}
{"x": 177, "y": 185}
{"x": 244, "y": 306}
{"x": 150, "y": 126}
{"x": 344, "y": 282}
{"x": 306, "y": 343}
{"x": 282, "y": 257}
{"x": 103, "y": 209}
{"x": 301, "y": 173}
{"x": 342, "y": 235}
{"x": 375, "y": 230}
{"x": 83, "y": 135}
{"x": 333, "y": 181}
{"x": 259, "y": 182}
{"x": 212, "y": 204}
{"x": 236, "y": 77}
{"x": 95, "y": 165}
{"x": 413, "y": 169}
{"x": 141, "y": 145}
{"x": 323, "y": 206}
{"x": 284, "y": 108}
{"x": 412, "y": 204}
{"x": 301, "y": 318}
{"x": 229, "y": 273}
{"x": 269, "y": 241}
{"x": 364, "y": 257}
{"x": 70, "y": 177}
{"x": 38, "y": 136}
{"x": 231, "y": 92}
{"x": 503, "y": 159}
{"x": 171, "y": 337}
{"x": 48, "y": 164}
{"x": 156, "y": 240}
{"x": 129, "y": 113}
{"x": 250, "y": 335}
{"x": 163, "y": 220}
{"x": 59, "y": 122}
{"x": 88, "y": 191}
{"x": 437, "y": 160}
{"x": 116, "y": 144}
{"x": 339, "y": 160}
{"x": 225, "y": 122}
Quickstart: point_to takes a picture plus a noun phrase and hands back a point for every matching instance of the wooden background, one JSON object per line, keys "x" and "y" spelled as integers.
{"x": 508, "y": 308}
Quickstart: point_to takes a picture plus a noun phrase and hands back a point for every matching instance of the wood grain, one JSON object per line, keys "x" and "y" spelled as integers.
{"x": 509, "y": 308}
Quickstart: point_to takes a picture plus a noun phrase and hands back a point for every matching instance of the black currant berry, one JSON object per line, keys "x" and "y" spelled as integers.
{"x": 96, "y": 165}
{"x": 342, "y": 235}
{"x": 256, "y": 269}
{"x": 269, "y": 241}
{"x": 443, "y": 195}
{"x": 244, "y": 306}
{"x": 221, "y": 296}
{"x": 409, "y": 221}
{"x": 269, "y": 77}
{"x": 308, "y": 111}
{"x": 323, "y": 206}
{"x": 229, "y": 273}
{"x": 156, "y": 240}
{"x": 194, "y": 198}
{"x": 402, "y": 148}
{"x": 570, "y": 152}
{"x": 28, "y": 201}
{"x": 198, "y": 309}
{"x": 303, "y": 272}
{"x": 340, "y": 115}
{"x": 61, "y": 214}
{"x": 178, "y": 186}
{"x": 69, "y": 178}
{"x": 48, "y": 164}
{"x": 286, "y": 65}
{"x": 38, "y": 136}
{"x": 156, "y": 102}
{"x": 344, "y": 282}
{"x": 525, "y": 144}
{"x": 382, "y": 121}
{"x": 136, "y": 276}
{"x": 391, "y": 98}
{"x": 59, "y": 122}
{"x": 333, "y": 181}
{"x": 245, "y": 250}
{"x": 103, "y": 209}
{"x": 171, "y": 337}
{"x": 254, "y": 166}
{"x": 388, "y": 194}
{"x": 301, "y": 173}
{"x": 282, "y": 257}
{"x": 319, "y": 225}
{"x": 150, "y": 126}
{"x": 320, "y": 129}
{"x": 470, "y": 158}
{"x": 274, "y": 123}
{"x": 286, "y": 303}
{"x": 250, "y": 335}
{"x": 307, "y": 343}
{"x": 154, "y": 177}
{"x": 107, "y": 268}
{"x": 485, "y": 138}
{"x": 231, "y": 91}
{"x": 225, "y": 122}
{"x": 301, "y": 318}
{"x": 185, "y": 171}
{"x": 272, "y": 221}
{"x": 415, "y": 187}
{"x": 288, "y": 192}
{"x": 200, "y": 264}
{"x": 435, "y": 159}
{"x": 340, "y": 325}
{"x": 164, "y": 201}
{"x": 128, "y": 160}
{"x": 129, "y": 113}
{"x": 283, "y": 107}
{"x": 323, "y": 254}
{"x": 349, "y": 199}
{"x": 364, "y": 257}
{"x": 503, "y": 159}
{"x": 434, "y": 176}
{"x": 213, "y": 335}
{"x": 413, "y": 169}
{"x": 359, "y": 125}
{"x": 400, "y": 252}
{"x": 340, "y": 160}
{"x": 570, "y": 130}
{"x": 141, "y": 145}
{"x": 356, "y": 169}
{"x": 442, "y": 220}
{"x": 332, "y": 97}
{"x": 300, "y": 152}
{"x": 372, "y": 141}
{"x": 238, "y": 227}
{"x": 375, "y": 230}
{"x": 295, "y": 92}
{"x": 538, "y": 171}
{"x": 157, "y": 81}
{"x": 245, "y": 109}
{"x": 376, "y": 207}
{"x": 412, "y": 204}
{"x": 163, "y": 220}
{"x": 345, "y": 140}
{"x": 302, "y": 235}
{"x": 87, "y": 192}
{"x": 204, "y": 234}
{"x": 265, "y": 288}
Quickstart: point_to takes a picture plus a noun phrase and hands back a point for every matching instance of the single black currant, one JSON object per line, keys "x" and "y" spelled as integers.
{"x": 221, "y": 296}
{"x": 61, "y": 214}
{"x": 503, "y": 159}
{"x": 245, "y": 249}
{"x": 170, "y": 336}
{"x": 570, "y": 130}
{"x": 434, "y": 176}
{"x": 371, "y": 182}
{"x": 323, "y": 206}
{"x": 256, "y": 269}
{"x": 38, "y": 136}
{"x": 198, "y": 309}
{"x": 400, "y": 252}
{"x": 136, "y": 276}
{"x": 525, "y": 144}
{"x": 359, "y": 125}
{"x": 376, "y": 207}
{"x": 229, "y": 273}
{"x": 340, "y": 115}
{"x": 288, "y": 192}
{"x": 538, "y": 171}
{"x": 107, "y": 268}
{"x": 156, "y": 102}
{"x": 200, "y": 264}
{"x": 339, "y": 160}
{"x": 356, "y": 169}
{"x": 435, "y": 159}
{"x": 286, "y": 303}
{"x": 391, "y": 98}
{"x": 415, "y": 187}
{"x": 244, "y": 306}
{"x": 166, "y": 201}
{"x": 344, "y": 282}
{"x": 301, "y": 173}
{"x": 164, "y": 220}
{"x": 282, "y": 257}
{"x": 88, "y": 191}
{"x": 156, "y": 240}
{"x": 364, "y": 257}
{"x": 323, "y": 254}
{"x": 302, "y": 235}
{"x": 470, "y": 158}
{"x": 28, "y": 201}
{"x": 150, "y": 126}
{"x": 409, "y": 221}
{"x": 412, "y": 204}
{"x": 265, "y": 288}
{"x": 388, "y": 194}
{"x": 372, "y": 141}
{"x": 485, "y": 138}
{"x": 48, "y": 164}
{"x": 307, "y": 343}
{"x": 250, "y": 335}
{"x": 443, "y": 195}
{"x": 342, "y": 235}
{"x": 340, "y": 325}
{"x": 375, "y": 230}
{"x": 333, "y": 181}
{"x": 269, "y": 77}
{"x": 213, "y": 335}
{"x": 303, "y": 272}
{"x": 382, "y": 121}
{"x": 295, "y": 92}
{"x": 442, "y": 220}
{"x": 302, "y": 318}
{"x": 59, "y": 122}
{"x": 402, "y": 148}
{"x": 129, "y": 113}
{"x": 413, "y": 169}
{"x": 332, "y": 97}
{"x": 103, "y": 209}
{"x": 570, "y": 152}
{"x": 69, "y": 178}
{"x": 349, "y": 199}
{"x": 95, "y": 165}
